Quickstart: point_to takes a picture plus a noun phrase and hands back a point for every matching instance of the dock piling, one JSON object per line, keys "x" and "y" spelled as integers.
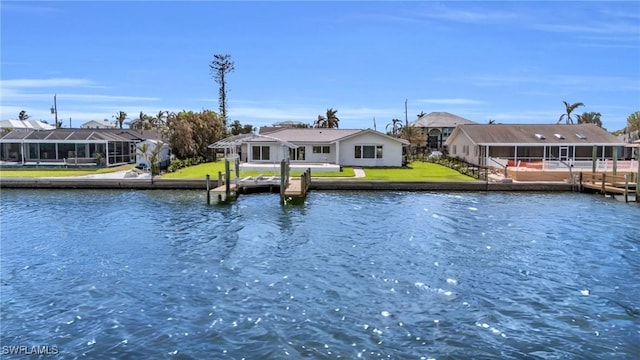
{"x": 208, "y": 190}
{"x": 626, "y": 188}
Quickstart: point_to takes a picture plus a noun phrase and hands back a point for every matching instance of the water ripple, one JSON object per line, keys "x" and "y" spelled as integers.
{"x": 159, "y": 274}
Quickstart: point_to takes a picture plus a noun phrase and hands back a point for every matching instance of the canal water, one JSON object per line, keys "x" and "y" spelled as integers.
{"x": 371, "y": 275}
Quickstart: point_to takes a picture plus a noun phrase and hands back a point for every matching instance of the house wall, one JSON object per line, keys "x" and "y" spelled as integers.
{"x": 462, "y": 147}
{"x": 97, "y": 125}
{"x": 391, "y": 151}
{"x": 163, "y": 156}
{"x": 277, "y": 152}
{"x": 435, "y": 137}
{"x": 320, "y": 157}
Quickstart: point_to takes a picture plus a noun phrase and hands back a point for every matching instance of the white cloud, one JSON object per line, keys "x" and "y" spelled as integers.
{"x": 452, "y": 101}
{"x": 483, "y": 15}
{"x": 46, "y": 83}
{"x": 538, "y": 117}
{"x": 580, "y": 82}
{"x": 36, "y": 97}
{"x": 17, "y": 96}
{"x": 266, "y": 113}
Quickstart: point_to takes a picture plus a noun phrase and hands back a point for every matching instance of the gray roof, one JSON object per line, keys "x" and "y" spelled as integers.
{"x": 510, "y": 134}
{"x": 237, "y": 140}
{"x": 440, "y": 119}
{"x": 311, "y": 135}
{"x": 71, "y": 135}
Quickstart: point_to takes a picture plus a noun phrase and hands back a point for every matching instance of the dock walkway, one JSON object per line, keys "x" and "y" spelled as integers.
{"x": 611, "y": 184}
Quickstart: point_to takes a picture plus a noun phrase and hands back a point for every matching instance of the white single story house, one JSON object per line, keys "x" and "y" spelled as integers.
{"x": 149, "y": 146}
{"x": 317, "y": 146}
{"x": 99, "y": 124}
{"x": 543, "y": 147}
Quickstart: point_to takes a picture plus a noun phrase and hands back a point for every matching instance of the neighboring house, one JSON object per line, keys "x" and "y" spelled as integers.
{"x": 150, "y": 145}
{"x": 536, "y": 146}
{"x": 342, "y": 147}
{"x": 632, "y": 149}
{"x": 436, "y": 128}
{"x": 26, "y": 125}
{"x": 99, "y": 124}
{"x": 106, "y": 147}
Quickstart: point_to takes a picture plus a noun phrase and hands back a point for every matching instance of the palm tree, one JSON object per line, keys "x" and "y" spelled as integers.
{"x": 120, "y": 117}
{"x": 23, "y": 115}
{"x": 569, "y": 110}
{"x": 154, "y": 158}
{"x": 144, "y": 150}
{"x": 633, "y": 122}
{"x": 143, "y": 122}
{"x": 236, "y": 127}
{"x": 159, "y": 120}
{"x": 590, "y": 118}
{"x": 422, "y": 113}
{"x": 491, "y": 122}
{"x": 411, "y": 134}
{"x": 396, "y": 125}
{"x": 329, "y": 121}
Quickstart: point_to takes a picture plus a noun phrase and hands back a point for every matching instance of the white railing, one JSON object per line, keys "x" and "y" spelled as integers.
{"x": 578, "y": 164}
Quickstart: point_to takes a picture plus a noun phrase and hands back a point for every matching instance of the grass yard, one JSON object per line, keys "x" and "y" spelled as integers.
{"x": 200, "y": 171}
{"x": 416, "y": 171}
{"x": 57, "y": 172}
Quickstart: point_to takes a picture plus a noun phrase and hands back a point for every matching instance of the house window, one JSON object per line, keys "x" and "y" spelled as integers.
{"x": 321, "y": 149}
{"x": 259, "y": 153}
{"x": 296, "y": 154}
{"x": 34, "y": 150}
{"x": 453, "y": 149}
{"x": 368, "y": 151}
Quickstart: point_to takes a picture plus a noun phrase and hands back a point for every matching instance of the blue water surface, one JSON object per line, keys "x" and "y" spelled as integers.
{"x": 371, "y": 275}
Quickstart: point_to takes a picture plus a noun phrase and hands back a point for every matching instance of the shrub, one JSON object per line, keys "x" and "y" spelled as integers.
{"x": 178, "y": 164}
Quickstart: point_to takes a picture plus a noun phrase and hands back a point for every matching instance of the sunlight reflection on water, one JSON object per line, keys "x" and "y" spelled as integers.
{"x": 348, "y": 274}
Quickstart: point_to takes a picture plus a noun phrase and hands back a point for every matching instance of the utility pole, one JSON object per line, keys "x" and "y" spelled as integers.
{"x": 406, "y": 119}
{"x": 54, "y": 110}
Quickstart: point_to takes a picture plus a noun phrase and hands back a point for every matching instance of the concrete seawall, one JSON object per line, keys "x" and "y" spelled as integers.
{"x": 193, "y": 184}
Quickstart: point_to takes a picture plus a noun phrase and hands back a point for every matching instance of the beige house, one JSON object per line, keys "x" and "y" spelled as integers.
{"x": 436, "y": 127}
{"x": 541, "y": 147}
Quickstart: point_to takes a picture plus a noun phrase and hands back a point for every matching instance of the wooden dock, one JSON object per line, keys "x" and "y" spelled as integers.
{"x": 608, "y": 184}
{"x": 293, "y": 190}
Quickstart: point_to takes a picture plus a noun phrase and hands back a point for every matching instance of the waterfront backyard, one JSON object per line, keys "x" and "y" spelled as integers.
{"x": 416, "y": 171}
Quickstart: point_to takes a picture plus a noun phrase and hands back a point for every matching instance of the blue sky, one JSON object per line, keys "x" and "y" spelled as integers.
{"x": 514, "y": 62}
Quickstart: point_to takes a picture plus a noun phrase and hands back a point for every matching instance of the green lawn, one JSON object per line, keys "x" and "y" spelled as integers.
{"x": 200, "y": 172}
{"x": 57, "y": 172}
{"x": 416, "y": 171}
